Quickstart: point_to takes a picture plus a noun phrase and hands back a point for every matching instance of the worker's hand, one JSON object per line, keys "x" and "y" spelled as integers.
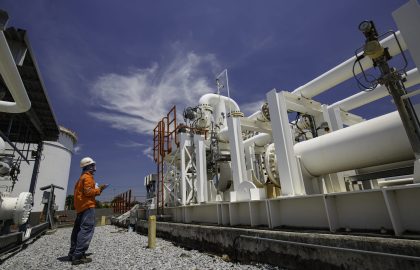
{"x": 102, "y": 187}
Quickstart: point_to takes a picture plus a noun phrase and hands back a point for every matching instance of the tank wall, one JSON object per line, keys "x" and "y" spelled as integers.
{"x": 54, "y": 169}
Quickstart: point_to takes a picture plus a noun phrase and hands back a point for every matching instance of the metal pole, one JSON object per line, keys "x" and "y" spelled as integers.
{"x": 129, "y": 199}
{"x": 35, "y": 171}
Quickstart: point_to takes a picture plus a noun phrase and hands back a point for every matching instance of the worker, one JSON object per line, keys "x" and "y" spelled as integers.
{"x": 84, "y": 203}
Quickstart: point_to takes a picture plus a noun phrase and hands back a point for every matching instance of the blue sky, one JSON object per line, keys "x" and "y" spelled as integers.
{"x": 112, "y": 69}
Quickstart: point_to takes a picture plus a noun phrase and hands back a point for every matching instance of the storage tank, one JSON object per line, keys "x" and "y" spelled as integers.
{"x": 54, "y": 169}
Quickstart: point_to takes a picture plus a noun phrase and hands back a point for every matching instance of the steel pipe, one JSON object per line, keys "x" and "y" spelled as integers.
{"x": 13, "y": 81}
{"x": 344, "y": 71}
{"x": 363, "y": 98}
{"x": 378, "y": 141}
{"x": 258, "y": 140}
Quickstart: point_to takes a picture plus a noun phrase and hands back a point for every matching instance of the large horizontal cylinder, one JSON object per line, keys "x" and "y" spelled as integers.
{"x": 378, "y": 141}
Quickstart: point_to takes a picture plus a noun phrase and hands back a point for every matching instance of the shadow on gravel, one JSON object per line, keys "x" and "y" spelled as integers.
{"x": 68, "y": 259}
{"x": 64, "y": 259}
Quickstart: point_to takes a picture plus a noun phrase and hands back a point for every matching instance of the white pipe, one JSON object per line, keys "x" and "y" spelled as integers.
{"x": 16, "y": 208}
{"x": 396, "y": 182}
{"x": 215, "y": 99}
{"x": 362, "y": 98}
{"x": 258, "y": 140}
{"x": 378, "y": 141}
{"x": 258, "y": 116}
{"x": 344, "y": 72}
{"x": 13, "y": 81}
{"x": 223, "y": 135}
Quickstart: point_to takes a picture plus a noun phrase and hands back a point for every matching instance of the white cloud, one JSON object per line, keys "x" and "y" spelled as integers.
{"x": 251, "y": 107}
{"x": 77, "y": 149}
{"x": 138, "y": 100}
{"x": 130, "y": 144}
{"x": 148, "y": 152}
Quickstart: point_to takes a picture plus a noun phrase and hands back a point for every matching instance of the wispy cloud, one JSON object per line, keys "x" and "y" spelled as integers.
{"x": 251, "y": 107}
{"x": 146, "y": 149}
{"x": 148, "y": 152}
{"x": 78, "y": 149}
{"x": 137, "y": 100}
{"x": 130, "y": 144}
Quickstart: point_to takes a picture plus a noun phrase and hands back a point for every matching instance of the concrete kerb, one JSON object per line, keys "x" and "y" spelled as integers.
{"x": 294, "y": 250}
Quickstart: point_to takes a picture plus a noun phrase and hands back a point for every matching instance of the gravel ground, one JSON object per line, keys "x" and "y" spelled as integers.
{"x": 115, "y": 248}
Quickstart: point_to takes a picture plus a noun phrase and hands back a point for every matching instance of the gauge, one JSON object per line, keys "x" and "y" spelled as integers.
{"x": 365, "y": 26}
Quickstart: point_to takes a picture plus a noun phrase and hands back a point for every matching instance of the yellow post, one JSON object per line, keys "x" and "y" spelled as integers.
{"x": 271, "y": 191}
{"x": 152, "y": 232}
{"x": 103, "y": 221}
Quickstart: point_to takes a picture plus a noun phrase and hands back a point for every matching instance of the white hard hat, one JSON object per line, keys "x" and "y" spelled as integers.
{"x": 86, "y": 161}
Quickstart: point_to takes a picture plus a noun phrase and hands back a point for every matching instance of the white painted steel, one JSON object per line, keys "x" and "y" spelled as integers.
{"x": 220, "y": 104}
{"x": 381, "y": 140}
{"x": 290, "y": 178}
{"x": 17, "y": 209}
{"x": 389, "y": 208}
{"x": 363, "y": 98}
{"x": 237, "y": 151}
{"x": 258, "y": 140}
{"x": 344, "y": 72}
{"x": 200, "y": 159}
{"x": 223, "y": 136}
{"x": 13, "y": 81}
{"x": 407, "y": 18}
{"x": 214, "y": 99}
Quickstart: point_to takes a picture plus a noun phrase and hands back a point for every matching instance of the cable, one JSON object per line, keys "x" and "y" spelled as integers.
{"x": 361, "y": 86}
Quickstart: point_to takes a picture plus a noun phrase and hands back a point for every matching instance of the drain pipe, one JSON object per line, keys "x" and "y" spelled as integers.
{"x": 13, "y": 81}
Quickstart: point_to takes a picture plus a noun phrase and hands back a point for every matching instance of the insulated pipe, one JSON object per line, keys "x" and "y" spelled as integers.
{"x": 258, "y": 116}
{"x": 378, "y": 141}
{"x": 258, "y": 140}
{"x": 362, "y": 98}
{"x": 16, "y": 208}
{"x": 219, "y": 104}
{"x": 223, "y": 133}
{"x": 344, "y": 72}
{"x": 11, "y": 77}
{"x": 215, "y": 99}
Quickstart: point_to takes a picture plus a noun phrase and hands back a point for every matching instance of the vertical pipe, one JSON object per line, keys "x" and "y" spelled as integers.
{"x": 129, "y": 199}
{"x": 35, "y": 171}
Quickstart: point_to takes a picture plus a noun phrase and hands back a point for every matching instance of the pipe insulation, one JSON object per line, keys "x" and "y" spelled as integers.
{"x": 343, "y": 71}
{"x": 365, "y": 97}
{"x": 13, "y": 81}
{"x": 378, "y": 141}
{"x": 216, "y": 100}
{"x": 216, "y": 105}
{"x": 259, "y": 140}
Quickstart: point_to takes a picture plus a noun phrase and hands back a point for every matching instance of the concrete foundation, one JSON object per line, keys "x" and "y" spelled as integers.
{"x": 294, "y": 250}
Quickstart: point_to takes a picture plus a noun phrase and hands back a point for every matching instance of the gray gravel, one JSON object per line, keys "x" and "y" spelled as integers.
{"x": 115, "y": 248}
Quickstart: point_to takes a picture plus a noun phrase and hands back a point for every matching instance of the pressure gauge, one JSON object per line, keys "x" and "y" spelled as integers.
{"x": 365, "y": 26}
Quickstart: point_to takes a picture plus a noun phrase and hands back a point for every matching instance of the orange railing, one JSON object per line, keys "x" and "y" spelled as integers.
{"x": 163, "y": 134}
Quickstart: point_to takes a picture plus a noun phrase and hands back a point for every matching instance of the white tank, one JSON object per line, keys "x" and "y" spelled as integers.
{"x": 53, "y": 169}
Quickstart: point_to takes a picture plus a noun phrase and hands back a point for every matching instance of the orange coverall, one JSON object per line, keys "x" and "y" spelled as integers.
{"x": 85, "y": 192}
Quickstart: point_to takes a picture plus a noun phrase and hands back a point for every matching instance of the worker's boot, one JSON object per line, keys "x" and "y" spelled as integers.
{"x": 82, "y": 260}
